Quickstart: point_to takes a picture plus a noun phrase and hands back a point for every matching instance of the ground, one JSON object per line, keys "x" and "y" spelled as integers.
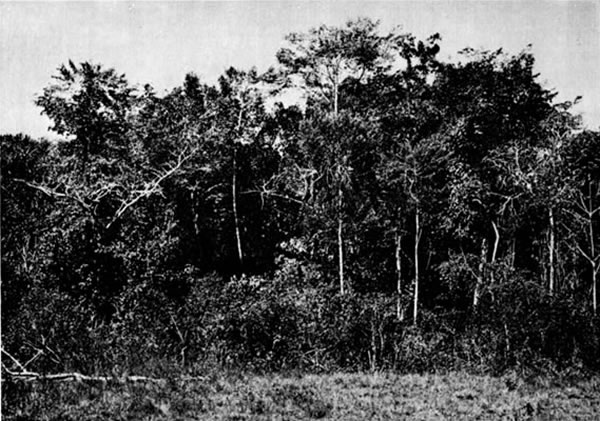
{"x": 341, "y": 396}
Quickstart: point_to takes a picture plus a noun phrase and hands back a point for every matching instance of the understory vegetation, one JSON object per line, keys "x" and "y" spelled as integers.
{"x": 403, "y": 214}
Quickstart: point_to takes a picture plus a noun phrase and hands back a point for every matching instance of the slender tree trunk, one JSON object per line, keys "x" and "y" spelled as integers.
{"x": 335, "y": 98}
{"x": 340, "y": 239}
{"x": 417, "y": 240}
{"x": 513, "y": 246}
{"x": 551, "y": 247}
{"x": 481, "y": 277}
{"x": 495, "y": 251}
{"x": 594, "y": 288}
{"x": 398, "y": 255}
{"x": 340, "y": 228}
{"x": 593, "y": 256}
{"x": 196, "y": 217}
{"x": 235, "y": 210}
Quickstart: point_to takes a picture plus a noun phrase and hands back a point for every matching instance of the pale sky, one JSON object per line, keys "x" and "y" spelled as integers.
{"x": 159, "y": 42}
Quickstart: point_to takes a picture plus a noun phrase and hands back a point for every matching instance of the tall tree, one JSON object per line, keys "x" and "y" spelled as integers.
{"x": 90, "y": 105}
{"x": 495, "y": 106}
{"x": 583, "y": 157}
{"x": 320, "y": 62}
{"x": 409, "y": 122}
{"x": 242, "y": 106}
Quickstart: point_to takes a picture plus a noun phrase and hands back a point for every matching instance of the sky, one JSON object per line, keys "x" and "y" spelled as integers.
{"x": 159, "y": 42}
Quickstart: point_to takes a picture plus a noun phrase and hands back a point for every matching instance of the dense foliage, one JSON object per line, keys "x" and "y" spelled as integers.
{"x": 408, "y": 213}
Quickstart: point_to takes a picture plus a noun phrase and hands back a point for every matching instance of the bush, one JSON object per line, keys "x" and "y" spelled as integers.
{"x": 290, "y": 321}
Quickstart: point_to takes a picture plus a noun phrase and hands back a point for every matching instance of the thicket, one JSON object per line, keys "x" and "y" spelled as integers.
{"x": 411, "y": 214}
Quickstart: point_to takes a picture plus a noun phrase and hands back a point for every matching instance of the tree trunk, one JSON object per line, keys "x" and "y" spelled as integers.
{"x": 481, "y": 277}
{"x": 495, "y": 251}
{"x": 594, "y": 287}
{"x": 340, "y": 240}
{"x": 398, "y": 255}
{"x": 513, "y": 246}
{"x": 417, "y": 240}
{"x": 235, "y": 210}
{"x": 196, "y": 217}
{"x": 340, "y": 237}
{"x": 593, "y": 257}
{"x": 335, "y": 97}
{"x": 551, "y": 247}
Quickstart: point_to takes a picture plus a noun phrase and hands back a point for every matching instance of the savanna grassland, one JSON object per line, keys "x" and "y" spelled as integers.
{"x": 364, "y": 396}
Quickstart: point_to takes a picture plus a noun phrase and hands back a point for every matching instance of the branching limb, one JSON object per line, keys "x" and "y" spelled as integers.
{"x": 270, "y": 193}
{"x": 152, "y": 187}
{"x": 467, "y": 265}
{"x": 54, "y": 194}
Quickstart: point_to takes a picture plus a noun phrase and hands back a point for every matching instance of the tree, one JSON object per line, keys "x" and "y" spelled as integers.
{"x": 90, "y": 106}
{"x": 411, "y": 153}
{"x": 583, "y": 157}
{"x": 418, "y": 173}
{"x": 539, "y": 173}
{"x": 242, "y": 120}
{"x": 102, "y": 176}
{"x": 326, "y": 57}
{"x": 495, "y": 107}
{"x": 322, "y": 61}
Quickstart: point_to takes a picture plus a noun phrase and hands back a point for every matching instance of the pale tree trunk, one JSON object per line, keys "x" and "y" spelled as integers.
{"x": 236, "y": 218}
{"x": 551, "y": 247}
{"x": 335, "y": 99}
{"x": 196, "y": 218}
{"x": 586, "y": 205}
{"x": 417, "y": 240}
{"x": 340, "y": 227}
{"x": 513, "y": 246}
{"x": 594, "y": 288}
{"x": 481, "y": 274}
{"x": 340, "y": 239}
{"x": 593, "y": 258}
{"x": 398, "y": 255}
{"x": 495, "y": 250}
{"x": 235, "y": 210}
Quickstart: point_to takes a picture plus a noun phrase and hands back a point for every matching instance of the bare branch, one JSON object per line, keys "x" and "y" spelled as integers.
{"x": 577, "y": 247}
{"x": 152, "y": 187}
{"x": 35, "y": 357}
{"x": 270, "y": 193}
{"x": 53, "y": 193}
{"x": 475, "y": 275}
{"x": 78, "y": 377}
{"x": 25, "y": 375}
{"x": 13, "y": 359}
{"x": 587, "y": 256}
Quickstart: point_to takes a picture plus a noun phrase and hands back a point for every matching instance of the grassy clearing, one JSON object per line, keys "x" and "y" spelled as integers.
{"x": 376, "y": 396}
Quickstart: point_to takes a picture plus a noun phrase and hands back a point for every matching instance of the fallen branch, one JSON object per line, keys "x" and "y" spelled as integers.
{"x": 29, "y": 376}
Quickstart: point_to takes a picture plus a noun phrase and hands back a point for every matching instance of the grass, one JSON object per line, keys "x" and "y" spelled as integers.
{"x": 341, "y": 396}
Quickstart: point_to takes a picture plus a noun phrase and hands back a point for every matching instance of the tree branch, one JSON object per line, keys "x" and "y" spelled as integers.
{"x": 29, "y": 376}
{"x": 153, "y": 187}
{"x": 53, "y": 193}
{"x": 272, "y": 194}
